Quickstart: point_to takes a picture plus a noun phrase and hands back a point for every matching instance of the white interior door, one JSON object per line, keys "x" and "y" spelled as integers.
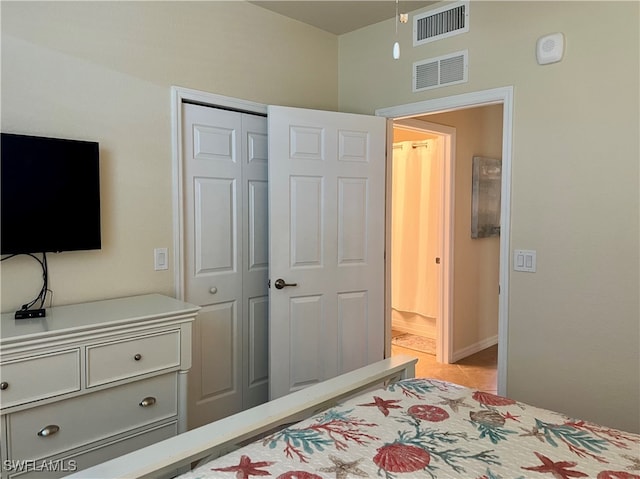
{"x": 327, "y": 219}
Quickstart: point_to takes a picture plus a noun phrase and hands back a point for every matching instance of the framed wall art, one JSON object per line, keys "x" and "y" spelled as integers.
{"x": 485, "y": 200}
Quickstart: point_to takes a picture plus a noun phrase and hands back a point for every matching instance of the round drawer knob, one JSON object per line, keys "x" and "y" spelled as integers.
{"x": 148, "y": 401}
{"x": 138, "y": 357}
{"x": 4, "y": 385}
{"x": 213, "y": 290}
{"x": 48, "y": 430}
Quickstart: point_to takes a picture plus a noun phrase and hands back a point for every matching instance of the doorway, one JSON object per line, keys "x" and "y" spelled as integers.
{"x": 461, "y": 345}
{"x": 419, "y": 197}
{"x": 475, "y": 268}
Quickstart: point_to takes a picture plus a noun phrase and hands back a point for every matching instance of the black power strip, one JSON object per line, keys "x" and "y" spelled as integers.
{"x": 30, "y": 313}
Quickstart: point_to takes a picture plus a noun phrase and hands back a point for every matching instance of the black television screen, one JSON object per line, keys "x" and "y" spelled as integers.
{"x": 50, "y": 197}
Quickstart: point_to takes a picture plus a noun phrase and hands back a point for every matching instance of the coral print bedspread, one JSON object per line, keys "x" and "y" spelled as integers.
{"x": 422, "y": 428}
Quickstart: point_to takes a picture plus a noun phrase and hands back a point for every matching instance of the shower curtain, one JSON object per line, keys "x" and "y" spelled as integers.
{"x": 414, "y": 222}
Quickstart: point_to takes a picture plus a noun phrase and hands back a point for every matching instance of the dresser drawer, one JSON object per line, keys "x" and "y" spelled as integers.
{"x": 62, "y": 466}
{"x": 108, "y": 362}
{"x": 39, "y": 377}
{"x": 84, "y": 419}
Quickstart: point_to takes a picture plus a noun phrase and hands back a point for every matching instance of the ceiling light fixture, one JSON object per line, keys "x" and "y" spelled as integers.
{"x": 402, "y": 18}
{"x": 396, "y": 45}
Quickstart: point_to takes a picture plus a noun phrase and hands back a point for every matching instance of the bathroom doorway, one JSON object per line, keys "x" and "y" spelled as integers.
{"x": 416, "y": 232}
{"x": 421, "y": 234}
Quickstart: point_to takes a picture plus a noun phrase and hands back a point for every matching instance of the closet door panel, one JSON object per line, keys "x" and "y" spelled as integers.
{"x": 255, "y": 274}
{"x": 215, "y": 232}
{"x": 258, "y": 260}
{"x": 219, "y": 326}
{"x": 213, "y": 237}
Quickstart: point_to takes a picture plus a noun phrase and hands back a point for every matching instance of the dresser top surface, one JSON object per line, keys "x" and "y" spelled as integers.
{"x": 75, "y": 318}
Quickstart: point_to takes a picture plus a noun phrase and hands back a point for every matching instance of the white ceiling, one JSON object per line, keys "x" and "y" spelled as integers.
{"x": 338, "y": 16}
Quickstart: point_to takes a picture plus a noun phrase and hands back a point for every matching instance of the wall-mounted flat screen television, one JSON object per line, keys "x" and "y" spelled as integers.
{"x": 50, "y": 196}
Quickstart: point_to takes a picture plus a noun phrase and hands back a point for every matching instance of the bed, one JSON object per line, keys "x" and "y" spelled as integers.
{"x": 382, "y": 422}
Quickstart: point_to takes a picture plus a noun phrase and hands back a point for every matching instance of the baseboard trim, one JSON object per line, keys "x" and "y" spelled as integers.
{"x": 474, "y": 348}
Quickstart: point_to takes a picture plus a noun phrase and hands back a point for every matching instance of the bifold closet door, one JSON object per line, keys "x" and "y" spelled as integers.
{"x": 225, "y": 259}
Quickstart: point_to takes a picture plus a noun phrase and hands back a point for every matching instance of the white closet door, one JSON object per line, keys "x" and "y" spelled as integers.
{"x": 222, "y": 274}
{"x": 327, "y": 211}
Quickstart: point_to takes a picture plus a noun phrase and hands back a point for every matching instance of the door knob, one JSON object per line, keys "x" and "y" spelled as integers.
{"x": 279, "y": 284}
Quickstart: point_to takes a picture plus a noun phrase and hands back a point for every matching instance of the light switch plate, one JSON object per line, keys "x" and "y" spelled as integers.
{"x": 160, "y": 259}
{"x": 524, "y": 260}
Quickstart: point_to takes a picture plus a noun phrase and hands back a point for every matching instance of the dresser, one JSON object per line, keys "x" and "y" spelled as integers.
{"x": 92, "y": 381}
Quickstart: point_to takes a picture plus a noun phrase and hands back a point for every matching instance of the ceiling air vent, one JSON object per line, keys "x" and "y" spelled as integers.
{"x": 440, "y": 23}
{"x": 440, "y": 71}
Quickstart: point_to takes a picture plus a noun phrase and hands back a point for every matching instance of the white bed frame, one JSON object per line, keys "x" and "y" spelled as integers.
{"x": 217, "y": 438}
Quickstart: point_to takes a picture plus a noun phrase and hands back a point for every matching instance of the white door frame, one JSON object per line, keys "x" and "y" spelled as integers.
{"x": 504, "y": 96}
{"x": 178, "y": 96}
{"x": 444, "y": 322}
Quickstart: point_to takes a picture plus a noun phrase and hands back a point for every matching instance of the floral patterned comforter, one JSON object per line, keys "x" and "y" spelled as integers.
{"x": 426, "y": 428}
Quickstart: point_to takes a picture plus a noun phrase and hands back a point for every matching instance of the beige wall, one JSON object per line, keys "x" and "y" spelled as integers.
{"x": 573, "y": 337}
{"x": 102, "y": 71}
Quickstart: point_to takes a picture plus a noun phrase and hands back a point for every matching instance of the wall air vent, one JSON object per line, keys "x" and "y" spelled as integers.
{"x": 440, "y": 71}
{"x": 440, "y": 23}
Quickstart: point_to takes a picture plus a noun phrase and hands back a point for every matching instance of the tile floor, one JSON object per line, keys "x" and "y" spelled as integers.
{"x": 478, "y": 371}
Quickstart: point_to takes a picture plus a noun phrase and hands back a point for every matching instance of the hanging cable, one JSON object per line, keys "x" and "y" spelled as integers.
{"x": 396, "y": 45}
{"x": 42, "y": 295}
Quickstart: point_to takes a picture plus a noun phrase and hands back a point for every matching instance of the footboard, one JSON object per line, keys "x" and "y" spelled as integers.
{"x": 219, "y": 437}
